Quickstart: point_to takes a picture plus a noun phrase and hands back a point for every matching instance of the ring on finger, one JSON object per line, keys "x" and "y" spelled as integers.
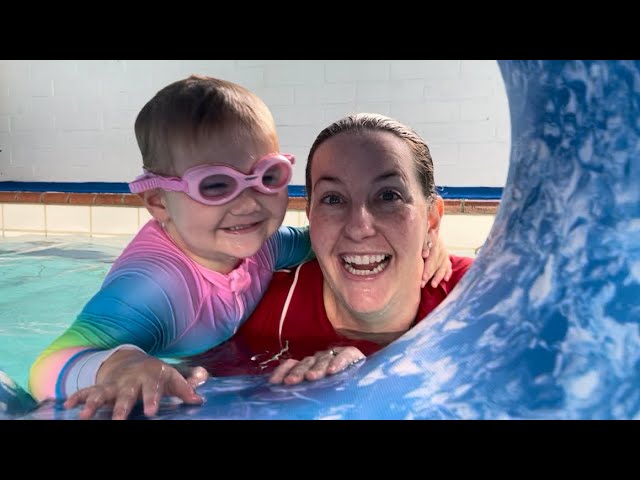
{"x": 333, "y": 352}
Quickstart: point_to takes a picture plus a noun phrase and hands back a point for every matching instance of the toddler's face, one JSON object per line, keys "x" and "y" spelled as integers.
{"x": 219, "y": 236}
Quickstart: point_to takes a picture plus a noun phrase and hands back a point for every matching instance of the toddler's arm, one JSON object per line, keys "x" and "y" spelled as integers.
{"x": 133, "y": 310}
{"x": 291, "y": 247}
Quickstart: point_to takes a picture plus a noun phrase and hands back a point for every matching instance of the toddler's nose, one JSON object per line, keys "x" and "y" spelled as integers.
{"x": 245, "y": 203}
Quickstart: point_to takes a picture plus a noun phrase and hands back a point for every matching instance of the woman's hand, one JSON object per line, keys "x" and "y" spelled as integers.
{"x": 128, "y": 376}
{"x": 323, "y": 363}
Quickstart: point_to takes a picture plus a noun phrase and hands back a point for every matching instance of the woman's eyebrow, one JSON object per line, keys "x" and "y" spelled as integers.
{"x": 327, "y": 178}
{"x": 380, "y": 178}
{"x": 387, "y": 175}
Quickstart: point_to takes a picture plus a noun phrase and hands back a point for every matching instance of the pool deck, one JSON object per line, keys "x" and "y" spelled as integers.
{"x": 465, "y": 225}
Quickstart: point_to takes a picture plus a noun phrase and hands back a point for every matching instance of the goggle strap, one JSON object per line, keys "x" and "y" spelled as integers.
{"x": 144, "y": 183}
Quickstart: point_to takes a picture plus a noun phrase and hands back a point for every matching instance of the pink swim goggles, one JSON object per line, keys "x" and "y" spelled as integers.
{"x": 219, "y": 184}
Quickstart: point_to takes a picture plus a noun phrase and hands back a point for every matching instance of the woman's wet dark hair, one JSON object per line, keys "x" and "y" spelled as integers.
{"x": 362, "y": 122}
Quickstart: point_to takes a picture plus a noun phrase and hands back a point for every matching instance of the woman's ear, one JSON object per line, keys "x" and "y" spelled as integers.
{"x": 436, "y": 211}
{"x": 155, "y": 200}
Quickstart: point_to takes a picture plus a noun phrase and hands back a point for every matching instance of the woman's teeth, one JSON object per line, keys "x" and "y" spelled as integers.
{"x": 365, "y": 264}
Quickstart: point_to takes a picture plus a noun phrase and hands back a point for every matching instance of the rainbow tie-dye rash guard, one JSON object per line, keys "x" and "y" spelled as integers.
{"x": 157, "y": 299}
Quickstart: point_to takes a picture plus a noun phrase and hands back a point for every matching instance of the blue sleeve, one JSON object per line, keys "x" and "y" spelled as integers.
{"x": 146, "y": 303}
{"x": 140, "y": 306}
{"x": 293, "y": 246}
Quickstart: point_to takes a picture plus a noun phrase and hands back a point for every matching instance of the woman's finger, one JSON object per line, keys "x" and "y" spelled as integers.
{"x": 318, "y": 369}
{"x": 281, "y": 371}
{"x": 297, "y": 373}
{"x": 346, "y": 356}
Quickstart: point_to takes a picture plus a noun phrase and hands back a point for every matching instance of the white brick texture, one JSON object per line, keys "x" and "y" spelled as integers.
{"x": 72, "y": 120}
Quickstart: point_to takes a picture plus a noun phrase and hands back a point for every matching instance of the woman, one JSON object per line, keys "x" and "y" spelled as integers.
{"x": 372, "y": 209}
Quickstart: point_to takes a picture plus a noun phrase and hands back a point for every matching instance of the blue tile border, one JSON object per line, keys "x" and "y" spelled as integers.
{"x": 470, "y": 193}
{"x": 65, "y": 187}
{"x": 295, "y": 191}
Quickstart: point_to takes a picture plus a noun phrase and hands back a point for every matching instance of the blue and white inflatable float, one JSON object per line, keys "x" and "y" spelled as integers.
{"x": 546, "y": 324}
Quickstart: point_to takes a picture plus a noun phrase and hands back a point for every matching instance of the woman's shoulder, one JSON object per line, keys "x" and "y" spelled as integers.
{"x": 459, "y": 265}
{"x": 459, "y": 262}
{"x": 302, "y": 273}
{"x": 298, "y": 280}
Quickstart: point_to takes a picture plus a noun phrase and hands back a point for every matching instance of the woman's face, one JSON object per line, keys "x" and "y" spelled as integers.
{"x": 368, "y": 219}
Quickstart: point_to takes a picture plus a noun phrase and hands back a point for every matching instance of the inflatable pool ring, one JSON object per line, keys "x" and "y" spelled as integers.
{"x": 14, "y": 400}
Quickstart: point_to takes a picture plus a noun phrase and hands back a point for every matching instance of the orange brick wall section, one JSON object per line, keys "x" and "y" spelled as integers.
{"x": 482, "y": 207}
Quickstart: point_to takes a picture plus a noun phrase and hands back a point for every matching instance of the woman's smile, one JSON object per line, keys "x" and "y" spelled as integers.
{"x": 365, "y": 266}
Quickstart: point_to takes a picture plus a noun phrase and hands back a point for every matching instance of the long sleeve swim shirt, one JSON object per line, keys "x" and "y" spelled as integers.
{"x": 159, "y": 300}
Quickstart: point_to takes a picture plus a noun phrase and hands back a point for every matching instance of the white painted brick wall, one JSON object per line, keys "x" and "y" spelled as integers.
{"x": 29, "y": 122}
{"x": 275, "y": 96}
{"x": 326, "y": 94}
{"x": 391, "y": 91}
{"x": 298, "y": 136}
{"x": 35, "y": 140}
{"x": 15, "y": 105}
{"x": 302, "y": 72}
{"x": 426, "y": 112}
{"x": 383, "y": 108}
{"x": 33, "y": 87}
{"x": 72, "y": 120}
{"x": 4, "y": 124}
{"x": 444, "y": 70}
{"x": 331, "y": 113}
{"x": 296, "y": 115}
{"x": 349, "y": 70}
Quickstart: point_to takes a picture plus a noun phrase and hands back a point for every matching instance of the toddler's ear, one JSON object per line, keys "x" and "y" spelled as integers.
{"x": 154, "y": 200}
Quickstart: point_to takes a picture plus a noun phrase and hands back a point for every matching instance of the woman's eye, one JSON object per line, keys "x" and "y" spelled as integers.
{"x": 331, "y": 199}
{"x": 390, "y": 196}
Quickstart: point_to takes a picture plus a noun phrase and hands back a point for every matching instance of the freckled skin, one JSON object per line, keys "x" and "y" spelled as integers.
{"x": 366, "y": 199}
{"x": 198, "y": 229}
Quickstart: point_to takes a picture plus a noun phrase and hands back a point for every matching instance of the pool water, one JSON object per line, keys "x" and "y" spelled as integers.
{"x": 44, "y": 283}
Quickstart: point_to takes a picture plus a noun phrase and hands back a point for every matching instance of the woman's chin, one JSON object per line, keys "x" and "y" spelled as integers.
{"x": 366, "y": 303}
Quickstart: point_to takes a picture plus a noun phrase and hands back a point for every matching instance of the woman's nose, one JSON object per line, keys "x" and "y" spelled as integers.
{"x": 246, "y": 203}
{"x": 360, "y": 223}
